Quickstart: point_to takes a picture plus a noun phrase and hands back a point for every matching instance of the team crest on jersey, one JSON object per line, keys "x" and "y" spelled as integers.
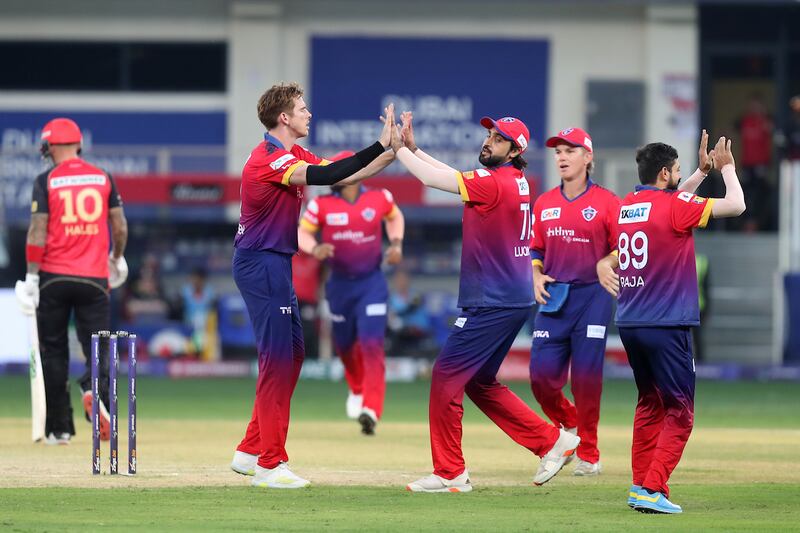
{"x": 589, "y": 213}
{"x": 551, "y": 214}
{"x": 368, "y": 214}
{"x": 337, "y": 219}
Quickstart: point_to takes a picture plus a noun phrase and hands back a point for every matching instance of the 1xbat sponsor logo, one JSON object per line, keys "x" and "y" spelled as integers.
{"x": 630, "y": 214}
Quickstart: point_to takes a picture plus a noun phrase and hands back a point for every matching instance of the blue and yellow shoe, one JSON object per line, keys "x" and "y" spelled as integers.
{"x": 633, "y": 492}
{"x": 655, "y": 502}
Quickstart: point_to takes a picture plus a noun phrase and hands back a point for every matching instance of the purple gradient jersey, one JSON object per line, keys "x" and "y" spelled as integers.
{"x": 495, "y": 255}
{"x": 571, "y": 236}
{"x": 270, "y": 205}
{"x": 658, "y": 280}
{"x": 353, "y": 228}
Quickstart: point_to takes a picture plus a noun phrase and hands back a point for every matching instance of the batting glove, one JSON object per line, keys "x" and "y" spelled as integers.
{"x": 28, "y": 294}
{"x": 117, "y": 271}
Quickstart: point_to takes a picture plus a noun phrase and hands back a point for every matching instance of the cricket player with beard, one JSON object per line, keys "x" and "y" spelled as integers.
{"x": 656, "y": 284}
{"x": 495, "y": 295}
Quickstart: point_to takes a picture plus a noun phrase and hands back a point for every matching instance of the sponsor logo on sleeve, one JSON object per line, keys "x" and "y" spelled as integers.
{"x": 282, "y": 160}
{"x": 699, "y": 200}
{"x": 551, "y": 214}
{"x": 388, "y": 195}
{"x": 468, "y": 175}
{"x": 313, "y": 207}
{"x": 337, "y": 219}
{"x": 685, "y": 196}
{"x": 631, "y": 214}
{"x": 522, "y": 184}
{"x": 483, "y": 173}
{"x": 460, "y": 321}
{"x": 589, "y": 213}
{"x": 595, "y": 332}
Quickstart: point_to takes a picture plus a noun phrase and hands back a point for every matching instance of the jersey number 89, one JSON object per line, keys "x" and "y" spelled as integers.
{"x": 633, "y": 250}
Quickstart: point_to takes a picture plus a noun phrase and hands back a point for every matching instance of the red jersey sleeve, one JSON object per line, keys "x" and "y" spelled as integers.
{"x": 537, "y": 245}
{"x": 304, "y": 155}
{"x": 612, "y": 216}
{"x": 478, "y": 186}
{"x": 389, "y": 207}
{"x": 278, "y": 167}
{"x": 312, "y": 217}
{"x": 689, "y": 211}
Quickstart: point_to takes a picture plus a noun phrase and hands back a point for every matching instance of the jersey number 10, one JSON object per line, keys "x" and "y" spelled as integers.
{"x": 633, "y": 250}
{"x": 76, "y": 206}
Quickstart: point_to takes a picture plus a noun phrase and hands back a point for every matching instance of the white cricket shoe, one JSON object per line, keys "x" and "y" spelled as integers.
{"x": 279, "y": 477}
{"x": 574, "y": 431}
{"x": 434, "y": 483}
{"x": 244, "y": 463}
{"x": 57, "y": 439}
{"x": 553, "y": 461}
{"x": 354, "y": 404}
{"x": 585, "y": 468}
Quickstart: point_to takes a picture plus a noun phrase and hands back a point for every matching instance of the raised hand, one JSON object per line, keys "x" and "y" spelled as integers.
{"x": 397, "y": 141}
{"x": 388, "y": 126}
{"x": 705, "y": 160}
{"x": 723, "y": 154}
{"x": 406, "y": 118}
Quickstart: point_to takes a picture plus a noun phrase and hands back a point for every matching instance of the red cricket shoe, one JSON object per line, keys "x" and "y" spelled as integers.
{"x": 105, "y": 418}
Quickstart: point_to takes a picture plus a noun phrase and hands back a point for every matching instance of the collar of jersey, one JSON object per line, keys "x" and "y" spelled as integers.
{"x": 338, "y": 194}
{"x": 647, "y": 188}
{"x": 273, "y": 140}
{"x": 500, "y": 166}
{"x": 589, "y": 184}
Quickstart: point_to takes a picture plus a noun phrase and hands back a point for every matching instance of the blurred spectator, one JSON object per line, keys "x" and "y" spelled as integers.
{"x": 145, "y": 301}
{"x": 306, "y": 272}
{"x": 409, "y": 323}
{"x": 756, "y": 131}
{"x": 793, "y": 130}
{"x": 198, "y": 300}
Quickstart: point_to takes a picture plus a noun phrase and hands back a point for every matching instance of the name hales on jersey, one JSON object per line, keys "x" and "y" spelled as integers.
{"x": 631, "y": 214}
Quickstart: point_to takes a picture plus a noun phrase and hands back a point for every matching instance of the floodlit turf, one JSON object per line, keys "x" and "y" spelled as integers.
{"x": 739, "y": 473}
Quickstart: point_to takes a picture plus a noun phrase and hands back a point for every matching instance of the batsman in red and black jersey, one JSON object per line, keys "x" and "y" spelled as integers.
{"x": 70, "y": 268}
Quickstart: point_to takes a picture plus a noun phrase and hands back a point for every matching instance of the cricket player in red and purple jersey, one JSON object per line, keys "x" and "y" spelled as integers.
{"x": 265, "y": 242}
{"x": 495, "y": 296}
{"x": 572, "y": 230}
{"x": 658, "y": 305}
{"x": 349, "y": 220}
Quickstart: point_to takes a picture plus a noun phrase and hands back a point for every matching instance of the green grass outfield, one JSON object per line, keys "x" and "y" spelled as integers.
{"x": 740, "y": 472}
